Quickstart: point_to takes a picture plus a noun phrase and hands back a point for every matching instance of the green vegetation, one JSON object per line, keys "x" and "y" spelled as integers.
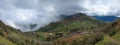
{"x": 117, "y": 36}
{"x": 77, "y": 29}
{"x": 112, "y": 34}
{"x": 11, "y": 36}
{"x": 105, "y": 40}
{"x": 4, "y": 41}
{"x": 72, "y": 24}
{"x": 77, "y": 21}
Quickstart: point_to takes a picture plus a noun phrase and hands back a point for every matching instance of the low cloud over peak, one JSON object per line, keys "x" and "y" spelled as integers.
{"x": 21, "y": 14}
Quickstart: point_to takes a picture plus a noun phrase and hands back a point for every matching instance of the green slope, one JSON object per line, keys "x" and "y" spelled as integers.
{"x": 76, "y": 23}
{"x": 11, "y": 36}
{"x": 113, "y": 34}
{"x": 4, "y": 41}
{"x": 77, "y": 29}
{"x": 117, "y": 37}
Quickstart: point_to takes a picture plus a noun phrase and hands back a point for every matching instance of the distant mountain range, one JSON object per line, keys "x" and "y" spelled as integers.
{"x": 106, "y": 18}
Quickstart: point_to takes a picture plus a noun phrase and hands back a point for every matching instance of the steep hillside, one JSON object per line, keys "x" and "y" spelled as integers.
{"x": 112, "y": 34}
{"x": 11, "y": 36}
{"x": 77, "y": 29}
{"x": 77, "y": 21}
{"x": 73, "y": 24}
{"x": 108, "y": 35}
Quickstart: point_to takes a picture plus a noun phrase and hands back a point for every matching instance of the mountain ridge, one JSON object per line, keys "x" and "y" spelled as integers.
{"x": 77, "y": 29}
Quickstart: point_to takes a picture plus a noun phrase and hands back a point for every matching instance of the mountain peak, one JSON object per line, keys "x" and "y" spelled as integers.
{"x": 77, "y": 16}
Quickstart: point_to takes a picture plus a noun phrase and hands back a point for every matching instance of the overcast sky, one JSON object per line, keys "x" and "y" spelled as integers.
{"x": 21, "y": 13}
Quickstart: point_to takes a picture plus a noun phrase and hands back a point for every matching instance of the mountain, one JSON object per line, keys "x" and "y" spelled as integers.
{"x": 76, "y": 21}
{"x": 76, "y": 29}
{"x": 106, "y": 18}
{"x": 79, "y": 29}
{"x": 11, "y": 36}
{"x": 72, "y": 26}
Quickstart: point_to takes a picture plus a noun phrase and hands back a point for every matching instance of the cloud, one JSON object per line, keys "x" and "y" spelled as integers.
{"x": 21, "y": 14}
{"x": 101, "y": 7}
